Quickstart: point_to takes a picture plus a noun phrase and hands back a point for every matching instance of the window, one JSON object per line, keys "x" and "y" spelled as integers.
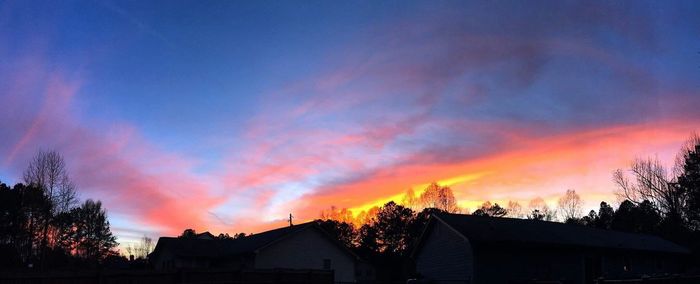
{"x": 326, "y": 263}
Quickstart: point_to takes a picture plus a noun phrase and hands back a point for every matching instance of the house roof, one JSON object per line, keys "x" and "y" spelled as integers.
{"x": 194, "y": 247}
{"x": 520, "y": 231}
{"x": 205, "y": 235}
{"x": 215, "y": 248}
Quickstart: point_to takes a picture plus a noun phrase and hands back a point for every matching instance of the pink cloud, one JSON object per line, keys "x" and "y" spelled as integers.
{"x": 132, "y": 176}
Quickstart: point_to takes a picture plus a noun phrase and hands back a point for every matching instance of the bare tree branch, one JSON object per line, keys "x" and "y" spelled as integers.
{"x": 570, "y": 205}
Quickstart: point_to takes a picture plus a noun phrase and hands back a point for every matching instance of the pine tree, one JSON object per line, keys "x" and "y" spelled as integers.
{"x": 689, "y": 182}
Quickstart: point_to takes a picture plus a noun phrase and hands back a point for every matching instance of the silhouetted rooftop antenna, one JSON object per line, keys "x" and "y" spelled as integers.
{"x": 290, "y": 219}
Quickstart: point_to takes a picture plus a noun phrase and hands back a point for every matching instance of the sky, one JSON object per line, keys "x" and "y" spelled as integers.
{"x": 228, "y": 116}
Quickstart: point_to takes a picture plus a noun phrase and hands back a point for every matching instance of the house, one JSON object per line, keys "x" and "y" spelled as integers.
{"x": 303, "y": 246}
{"x": 457, "y": 248}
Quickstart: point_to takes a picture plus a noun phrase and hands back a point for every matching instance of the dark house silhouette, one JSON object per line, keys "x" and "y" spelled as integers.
{"x": 206, "y": 236}
{"x": 457, "y": 248}
{"x": 303, "y": 246}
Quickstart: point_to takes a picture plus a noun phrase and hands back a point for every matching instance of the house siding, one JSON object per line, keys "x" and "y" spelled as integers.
{"x": 307, "y": 250}
{"x": 445, "y": 256}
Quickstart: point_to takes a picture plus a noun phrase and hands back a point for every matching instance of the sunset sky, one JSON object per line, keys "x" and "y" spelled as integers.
{"x": 228, "y": 115}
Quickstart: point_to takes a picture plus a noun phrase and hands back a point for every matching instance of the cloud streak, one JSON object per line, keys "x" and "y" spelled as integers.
{"x": 500, "y": 102}
{"x": 438, "y": 101}
{"x": 112, "y": 163}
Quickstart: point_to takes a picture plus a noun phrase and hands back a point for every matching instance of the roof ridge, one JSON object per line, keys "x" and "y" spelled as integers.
{"x": 553, "y": 223}
{"x": 498, "y": 229}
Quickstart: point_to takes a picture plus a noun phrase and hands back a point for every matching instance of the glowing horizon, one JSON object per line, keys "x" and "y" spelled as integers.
{"x": 229, "y": 117}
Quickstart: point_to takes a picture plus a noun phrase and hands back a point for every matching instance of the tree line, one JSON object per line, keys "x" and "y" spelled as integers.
{"x": 43, "y": 224}
{"x": 191, "y": 234}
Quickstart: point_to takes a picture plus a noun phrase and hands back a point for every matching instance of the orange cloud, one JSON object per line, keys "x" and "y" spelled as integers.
{"x": 530, "y": 167}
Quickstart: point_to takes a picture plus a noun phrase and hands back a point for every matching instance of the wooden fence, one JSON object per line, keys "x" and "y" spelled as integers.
{"x": 209, "y": 276}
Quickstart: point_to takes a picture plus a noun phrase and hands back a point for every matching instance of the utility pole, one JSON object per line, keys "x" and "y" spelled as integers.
{"x": 290, "y": 220}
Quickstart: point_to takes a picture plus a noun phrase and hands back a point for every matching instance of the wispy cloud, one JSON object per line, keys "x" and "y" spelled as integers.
{"x": 500, "y": 102}
{"x": 431, "y": 102}
{"x": 113, "y": 163}
{"x": 135, "y": 21}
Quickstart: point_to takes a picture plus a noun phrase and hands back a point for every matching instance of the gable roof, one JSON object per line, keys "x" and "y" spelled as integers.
{"x": 193, "y": 247}
{"x": 508, "y": 230}
{"x": 206, "y": 235}
{"x": 216, "y": 248}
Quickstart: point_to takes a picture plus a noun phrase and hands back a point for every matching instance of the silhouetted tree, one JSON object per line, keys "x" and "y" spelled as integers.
{"x": 367, "y": 239}
{"x": 366, "y": 217}
{"x": 536, "y": 215}
{"x": 489, "y": 210}
{"x": 47, "y": 170}
{"x": 392, "y": 227}
{"x": 624, "y": 217}
{"x": 91, "y": 235}
{"x": 606, "y": 214}
{"x": 440, "y": 197}
{"x": 341, "y": 231}
{"x": 341, "y": 215}
{"x": 410, "y": 200}
{"x": 11, "y": 218}
{"x": 514, "y": 209}
{"x": 238, "y": 235}
{"x": 674, "y": 196}
{"x": 23, "y": 213}
{"x": 65, "y": 238}
{"x": 386, "y": 239}
{"x": 652, "y": 183}
{"x": 224, "y": 236}
{"x": 539, "y": 210}
{"x": 647, "y": 218}
{"x": 188, "y": 233}
{"x": 642, "y": 218}
{"x": 144, "y": 247}
{"x": 590, "y": 219}
{"x": 39, "y": 223}
{"x": 688, "y": 170}
{"x": 570, "y": 206}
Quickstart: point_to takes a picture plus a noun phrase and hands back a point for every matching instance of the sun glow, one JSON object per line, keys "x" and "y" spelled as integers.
{"x": 418, "y": 189}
